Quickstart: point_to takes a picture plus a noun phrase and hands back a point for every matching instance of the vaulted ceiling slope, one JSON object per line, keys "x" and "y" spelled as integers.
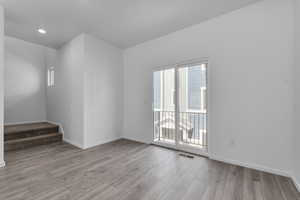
{"x": 123, "y": 23}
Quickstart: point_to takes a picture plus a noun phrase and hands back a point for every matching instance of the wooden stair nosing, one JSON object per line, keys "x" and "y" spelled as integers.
{"x": 45, "y": 136}
{"x": 18, "y": 144}
{"x": 25, "y": 134}
{"x": 14, "y": 129}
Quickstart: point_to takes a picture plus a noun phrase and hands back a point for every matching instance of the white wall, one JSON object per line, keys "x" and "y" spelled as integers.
{"x": 1, "y": 84}
{"x": 87, "y": 96}
{"x": 103, "y": 97}
{"x": 51, "y": 62}
{"x": 65, "y": 99}
{"x": 25, "y": 81}
{"x": 250, "y": 80}
{"x": 297, "y": 96}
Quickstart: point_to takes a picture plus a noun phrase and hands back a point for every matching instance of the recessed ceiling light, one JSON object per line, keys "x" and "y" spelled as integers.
{"x": 42, "y": 31}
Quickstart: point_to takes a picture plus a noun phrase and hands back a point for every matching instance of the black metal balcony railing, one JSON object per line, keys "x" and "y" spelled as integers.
{"x": 191, "y": 127}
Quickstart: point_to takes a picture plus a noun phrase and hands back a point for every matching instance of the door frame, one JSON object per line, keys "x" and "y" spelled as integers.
{"x": 185, "y": 147}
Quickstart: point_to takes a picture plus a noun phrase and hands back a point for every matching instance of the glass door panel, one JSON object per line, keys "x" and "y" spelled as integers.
{"x": 192, "y": 112}
{"x": 164, "y": 106}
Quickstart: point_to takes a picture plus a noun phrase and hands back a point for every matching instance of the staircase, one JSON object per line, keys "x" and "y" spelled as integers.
{"x": 28, "y": 135}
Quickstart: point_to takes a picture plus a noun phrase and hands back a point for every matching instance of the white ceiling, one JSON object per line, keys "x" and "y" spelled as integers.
{"x": 123, "y": 23}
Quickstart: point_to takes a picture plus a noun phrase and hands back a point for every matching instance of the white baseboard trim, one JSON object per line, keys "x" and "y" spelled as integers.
{"x": 136, "y": 140}
{"x": 243, "y": 164}
{"x": 73, "y": 143}
{"x": 101, "y": 142}
{"x": 297, "y": 184}
{"x": 88, "y": 146}
{"x": 251, "y": 166}
{"x": 2, "y": 164}
{"x": 238, "y": 163}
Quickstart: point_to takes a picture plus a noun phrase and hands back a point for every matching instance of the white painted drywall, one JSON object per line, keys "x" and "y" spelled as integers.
{"x": 25, "y": 81}
{"x": 65, "y": 99}
{"x": 1, "y": 84}
{"x": 87, "y": 95}
{"x": 51, "y": 63}
{"x": 297, "y": 95}
{"x": 251, "y": 53}
{"x": 103, "y": 96}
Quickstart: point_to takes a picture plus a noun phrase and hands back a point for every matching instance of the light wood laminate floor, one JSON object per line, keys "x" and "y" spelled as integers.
{"x": 126, "y": 170}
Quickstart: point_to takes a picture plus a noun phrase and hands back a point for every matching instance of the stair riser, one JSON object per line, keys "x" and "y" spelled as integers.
{"x": 19, "y": 135}
{"x": 27, "y": 144}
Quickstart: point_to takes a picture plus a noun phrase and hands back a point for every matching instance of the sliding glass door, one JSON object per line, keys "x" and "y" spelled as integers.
{"x": 192, "y": 108}
{"x": 180, "y": 107}
{"x": 164, "y": 106}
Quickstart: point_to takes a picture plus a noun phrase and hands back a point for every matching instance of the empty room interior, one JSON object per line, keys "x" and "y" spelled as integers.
{"x": 150, "y": 100}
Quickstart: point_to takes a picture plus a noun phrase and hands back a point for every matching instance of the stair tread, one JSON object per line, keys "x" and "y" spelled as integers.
{"x": 9, "y": 129}
{"x": 49, "y": 135}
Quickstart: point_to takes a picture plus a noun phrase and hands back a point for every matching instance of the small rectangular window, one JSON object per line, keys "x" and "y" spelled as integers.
{"x": 50, "y": 77}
